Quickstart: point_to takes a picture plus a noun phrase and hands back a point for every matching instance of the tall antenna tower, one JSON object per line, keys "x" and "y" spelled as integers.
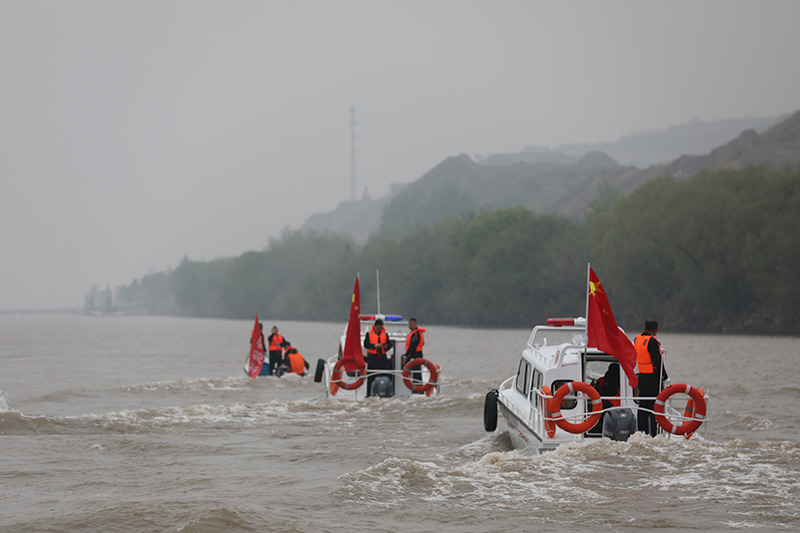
{"x": 353, "y": 123}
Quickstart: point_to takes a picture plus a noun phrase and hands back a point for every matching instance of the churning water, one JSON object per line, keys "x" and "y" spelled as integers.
{"x": 149, "y": 424}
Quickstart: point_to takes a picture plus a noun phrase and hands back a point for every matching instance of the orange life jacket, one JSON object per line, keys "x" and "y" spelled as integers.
{"x": 377, "y": 340}
{"x": 421, "y": 339}
{"x": 275, "y": 343}
{"x": 643, "y": 358}
{"x": 296, "y": 362}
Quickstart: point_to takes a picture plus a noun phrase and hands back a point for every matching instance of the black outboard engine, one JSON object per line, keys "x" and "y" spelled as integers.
{"x": 382, "y": 387}
{"x": 619, "y": 424}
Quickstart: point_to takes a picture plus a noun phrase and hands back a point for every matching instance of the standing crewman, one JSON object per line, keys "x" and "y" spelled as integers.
{"x": 377, "y": 343}
{"x": 276, "y": 344}
{"x": 652, "y": 375}
{"x": 414, "y": 343}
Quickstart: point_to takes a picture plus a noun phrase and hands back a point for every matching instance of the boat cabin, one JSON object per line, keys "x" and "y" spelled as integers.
{"x": 556, "y": 355}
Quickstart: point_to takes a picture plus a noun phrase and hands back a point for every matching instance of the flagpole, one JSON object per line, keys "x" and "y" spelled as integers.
{"x": 586, "y": 325}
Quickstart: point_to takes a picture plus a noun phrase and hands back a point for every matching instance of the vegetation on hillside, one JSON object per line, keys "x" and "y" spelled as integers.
{"x": 713, "y": 253}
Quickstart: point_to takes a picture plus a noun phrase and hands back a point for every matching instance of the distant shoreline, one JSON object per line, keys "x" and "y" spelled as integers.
{"x": 72, "y": 311}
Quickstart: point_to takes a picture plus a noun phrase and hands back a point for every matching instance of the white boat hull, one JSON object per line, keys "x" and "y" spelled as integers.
{"x": 522, "y": 436}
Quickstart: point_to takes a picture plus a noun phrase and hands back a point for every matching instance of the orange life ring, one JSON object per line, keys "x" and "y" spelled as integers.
{"x": 337, "y": 382}
{"x": 549, "y": 425}
{"x": 421, "y": 387}
{"x": 554, "y": 406}
{"x": 699, "y": 407}
{"x": 689, "y": 412}
{"x": 430, "y": 391}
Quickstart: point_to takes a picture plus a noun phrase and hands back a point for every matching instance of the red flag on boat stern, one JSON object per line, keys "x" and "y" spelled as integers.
{"x": 352, "y": 356}
{"x": 602, "y": 331}
{"x": 256, "y": 360}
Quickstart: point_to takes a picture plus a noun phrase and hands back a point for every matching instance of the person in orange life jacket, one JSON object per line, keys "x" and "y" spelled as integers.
{"x": 276, "y": 344}
{"x": 293, "y": 362}
{"x": 652, "y": 375}
{"x": 414, "y": 343}
{"x": 377, "y": 343}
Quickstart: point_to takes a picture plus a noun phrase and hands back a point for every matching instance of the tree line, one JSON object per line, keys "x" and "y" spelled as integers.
{"x": 716, "y": 253}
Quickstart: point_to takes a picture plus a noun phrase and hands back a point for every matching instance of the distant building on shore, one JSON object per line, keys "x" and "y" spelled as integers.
{"x": 99, "y": 301}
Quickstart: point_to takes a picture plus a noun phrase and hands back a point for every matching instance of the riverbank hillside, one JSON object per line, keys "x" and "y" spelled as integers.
{"x": 703, "y": 243}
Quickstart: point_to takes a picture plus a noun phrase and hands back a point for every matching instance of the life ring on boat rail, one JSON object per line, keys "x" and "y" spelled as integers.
{"x": 689, "y": 426}
{"x": 689, "y": 413}
{"x": 338, "y": 383}
{"x": 554, "y": 407}
{"x": 549, "y": 424}
{"x": 420, "y": 387}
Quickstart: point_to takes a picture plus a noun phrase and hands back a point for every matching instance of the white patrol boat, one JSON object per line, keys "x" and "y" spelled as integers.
{"x": 402, "y": 379}
{"x": 566, "y": 391}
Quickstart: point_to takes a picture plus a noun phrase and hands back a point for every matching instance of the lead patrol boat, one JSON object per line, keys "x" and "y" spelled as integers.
{"x": 403, "y": 378}
{"x": 554, "y": 397}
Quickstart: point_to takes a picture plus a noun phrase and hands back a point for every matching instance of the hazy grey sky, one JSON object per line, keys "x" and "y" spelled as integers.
{"x": 133, "y": 133}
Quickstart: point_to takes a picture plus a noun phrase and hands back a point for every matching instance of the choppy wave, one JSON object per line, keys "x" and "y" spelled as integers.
{"x": 162, "y": 418}
{"x": 600, "y": 477}
{"x": 332, "y": 414}
{"x": 192, "y": 385}
{"x": 223, "y": 519}
{"x": 231, "y": 383}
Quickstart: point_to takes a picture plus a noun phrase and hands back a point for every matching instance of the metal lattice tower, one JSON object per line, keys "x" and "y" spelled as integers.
{"x": 353, "y": 123}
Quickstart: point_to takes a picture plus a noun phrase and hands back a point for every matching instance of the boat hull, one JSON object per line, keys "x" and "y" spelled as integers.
{"x": 522, "y": 436}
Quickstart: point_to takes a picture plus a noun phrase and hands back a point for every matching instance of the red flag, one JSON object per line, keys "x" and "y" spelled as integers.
{"x": 256, "y": 359}
{"x": 602, "y": 330}
{"x": 352, "y": 356}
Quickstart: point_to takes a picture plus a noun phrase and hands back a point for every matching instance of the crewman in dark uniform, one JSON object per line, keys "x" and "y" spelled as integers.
{"x": 652, "y": 375}
{"x": 377, "y": 343}
{"x": 277, "y": 343}
{"x": 414, "y": 344}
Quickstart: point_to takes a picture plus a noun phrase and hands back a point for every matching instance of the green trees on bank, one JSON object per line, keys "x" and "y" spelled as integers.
{"x": 714, "y": 253}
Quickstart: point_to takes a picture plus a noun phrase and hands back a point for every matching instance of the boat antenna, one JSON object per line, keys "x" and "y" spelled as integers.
{"x": 586, "y": 322}
{"x": 378, "y": 277}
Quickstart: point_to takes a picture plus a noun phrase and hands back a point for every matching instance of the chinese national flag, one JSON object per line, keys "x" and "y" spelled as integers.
{"x": 602, "y": 331}
{"x": 256, "y": 359}
{"x": 352, "y": 356}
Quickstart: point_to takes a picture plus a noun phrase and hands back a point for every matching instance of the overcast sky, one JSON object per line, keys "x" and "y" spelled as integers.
{"x": 134, "y": 133}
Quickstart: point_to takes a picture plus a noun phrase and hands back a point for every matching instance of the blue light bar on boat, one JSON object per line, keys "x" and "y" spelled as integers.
{"x": 386, "y": 318}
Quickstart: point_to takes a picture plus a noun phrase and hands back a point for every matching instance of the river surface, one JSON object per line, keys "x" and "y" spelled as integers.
{"x": 150, "y": 424}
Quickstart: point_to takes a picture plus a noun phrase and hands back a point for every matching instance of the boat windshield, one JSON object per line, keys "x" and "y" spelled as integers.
{"x": 544, "y": 336}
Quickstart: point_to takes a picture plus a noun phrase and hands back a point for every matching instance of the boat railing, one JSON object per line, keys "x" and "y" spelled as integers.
{"x": 424, "y": 379}
{"x": 539, "y": 415}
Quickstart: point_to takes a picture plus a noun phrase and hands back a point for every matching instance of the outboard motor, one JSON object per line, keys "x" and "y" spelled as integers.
{"x": 382, "y": 387}
{"x": 619, "y": 424}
